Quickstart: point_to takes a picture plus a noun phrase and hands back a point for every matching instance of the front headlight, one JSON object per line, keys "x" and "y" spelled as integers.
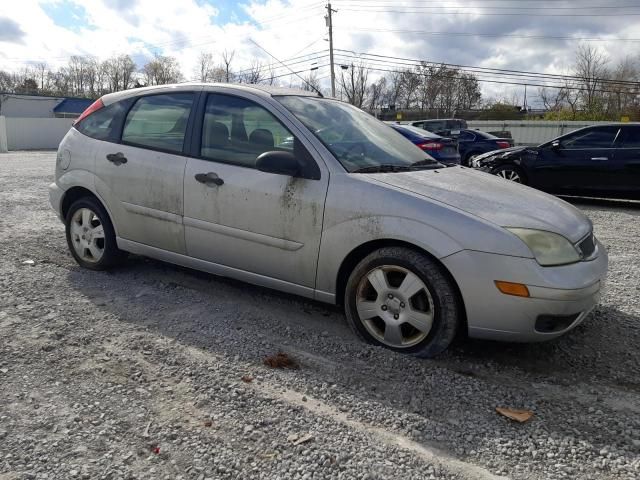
{"x": 548, "y": 248}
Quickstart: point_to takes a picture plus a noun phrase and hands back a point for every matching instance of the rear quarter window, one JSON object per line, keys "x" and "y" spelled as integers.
{"x": 101, "y": 123}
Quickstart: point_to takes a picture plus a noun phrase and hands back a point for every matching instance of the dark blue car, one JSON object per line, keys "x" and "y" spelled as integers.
{"x": 444, "y": 150}
{"x": 472, "y": 143}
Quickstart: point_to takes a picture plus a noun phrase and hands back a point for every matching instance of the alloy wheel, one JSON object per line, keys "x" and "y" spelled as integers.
{"x": 395, "y": 306}
{"x": 509, "y": 174}
{"x": 87, "y": 235}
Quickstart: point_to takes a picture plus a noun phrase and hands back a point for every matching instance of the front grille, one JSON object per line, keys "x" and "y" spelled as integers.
{"x": 587, "y": 246}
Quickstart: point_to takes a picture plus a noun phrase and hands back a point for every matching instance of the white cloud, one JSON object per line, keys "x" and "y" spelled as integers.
{"x": 184, "y": 29}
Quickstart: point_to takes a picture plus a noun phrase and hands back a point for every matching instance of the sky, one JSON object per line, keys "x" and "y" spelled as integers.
{"x": 509, "y": 34}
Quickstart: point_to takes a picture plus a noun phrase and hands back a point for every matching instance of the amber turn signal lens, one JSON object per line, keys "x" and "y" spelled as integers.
{"x": 508, "y": 288}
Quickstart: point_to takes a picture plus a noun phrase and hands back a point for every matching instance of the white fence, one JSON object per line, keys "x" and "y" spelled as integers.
{"x": 17, "y": 133}
{"x": 529, "y": 132}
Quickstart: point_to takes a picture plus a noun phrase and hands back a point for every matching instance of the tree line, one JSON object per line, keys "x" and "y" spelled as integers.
{"x": 595, "y": 89}
{"x": 591, "y": 90}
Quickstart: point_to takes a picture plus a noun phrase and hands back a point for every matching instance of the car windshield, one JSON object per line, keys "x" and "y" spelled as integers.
{"x": 355, "y": 138}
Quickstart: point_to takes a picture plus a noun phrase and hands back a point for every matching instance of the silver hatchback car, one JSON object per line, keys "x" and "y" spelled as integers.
{"x": 312, "y": 196}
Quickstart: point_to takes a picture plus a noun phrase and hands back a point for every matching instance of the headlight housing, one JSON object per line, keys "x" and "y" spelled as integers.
{"x": 549, "y": 249}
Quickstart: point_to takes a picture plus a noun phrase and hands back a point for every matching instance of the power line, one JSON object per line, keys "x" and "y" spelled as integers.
{"x": 470, "y": 34}
{"x": 488, "y": 70}
{"x": 489, "y": 80}
{"x": 491, "y": 14}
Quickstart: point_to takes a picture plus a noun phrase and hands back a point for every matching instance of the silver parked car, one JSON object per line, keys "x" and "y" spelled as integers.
{"x": 312, "y": 196}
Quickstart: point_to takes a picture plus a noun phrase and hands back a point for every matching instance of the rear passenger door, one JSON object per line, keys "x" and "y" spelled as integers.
{"x": 248, "y": 220}
{"x": 141, "y": 178}
{"x": 628, "y": 156}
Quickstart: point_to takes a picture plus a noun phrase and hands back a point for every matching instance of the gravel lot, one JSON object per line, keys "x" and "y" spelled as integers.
{"x": 137, "y": 373}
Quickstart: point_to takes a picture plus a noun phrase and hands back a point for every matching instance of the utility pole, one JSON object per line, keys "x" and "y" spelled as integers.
{"x": 330, "y": 25}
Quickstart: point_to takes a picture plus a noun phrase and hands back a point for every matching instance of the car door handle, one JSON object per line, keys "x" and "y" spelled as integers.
{"x": 117, "y": 158}
{"x": 599, "y": 159}
{"x": 209, "y": 178}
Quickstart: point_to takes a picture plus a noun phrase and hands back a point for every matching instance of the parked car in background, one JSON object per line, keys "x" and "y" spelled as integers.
{"x": 312, "y": 196}
{"x": 472, "y": 143}
{"x": 602, "y": 160}
{"x": 445, "y": 127}
{"x": 442, "y": 149}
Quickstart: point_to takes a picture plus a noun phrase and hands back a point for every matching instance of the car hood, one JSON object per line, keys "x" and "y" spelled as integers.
{"x": 503, "y": 153}
{"x": 493, "y": 199}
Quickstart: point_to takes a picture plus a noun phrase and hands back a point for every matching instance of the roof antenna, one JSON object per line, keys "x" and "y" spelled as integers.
{"x": 287, "y": 66}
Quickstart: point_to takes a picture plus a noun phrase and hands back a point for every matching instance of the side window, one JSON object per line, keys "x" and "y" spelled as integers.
{"x": 435, "y": 126}
{"x": 466, "y": 137}
{"x": 237, "y": 131}
{"x": 600, "y": 137}
{"x": 99, "y": 125}
{"x": 159, "y": 121}
{"x": 631, "y": 137}
{"x": 418, "y": 124}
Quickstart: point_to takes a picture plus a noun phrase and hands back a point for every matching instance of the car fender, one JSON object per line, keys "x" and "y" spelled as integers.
{"x": 339, "y": 240}
{"x": 88, "y": 181}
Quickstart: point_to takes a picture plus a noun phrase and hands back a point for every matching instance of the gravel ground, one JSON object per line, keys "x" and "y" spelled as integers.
{"x": 137, "y": 373}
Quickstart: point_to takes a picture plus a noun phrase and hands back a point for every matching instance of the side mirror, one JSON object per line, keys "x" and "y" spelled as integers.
{"x": 278, "y": 162}
{"x": 555, "y": 145}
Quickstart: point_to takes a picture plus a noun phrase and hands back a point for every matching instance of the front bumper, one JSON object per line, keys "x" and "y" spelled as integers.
{"x": 55, "y": 199}
{"x": 564, "y": 294}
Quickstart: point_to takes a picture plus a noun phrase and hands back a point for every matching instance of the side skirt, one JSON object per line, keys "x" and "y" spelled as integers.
{"x": 217, "y": 269}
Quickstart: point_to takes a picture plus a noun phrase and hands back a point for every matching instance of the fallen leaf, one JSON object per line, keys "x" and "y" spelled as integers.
{"x": 303, "y": 439}
{"x": 208, "y": 423}
{"x": 515, "y": 414}
{"x": 155, "y": 450}
{"x": 280, "y": 360}
{"x": 246, "y": 378}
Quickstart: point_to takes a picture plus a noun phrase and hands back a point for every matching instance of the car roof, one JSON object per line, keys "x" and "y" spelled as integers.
{"x": 267, "y": 90}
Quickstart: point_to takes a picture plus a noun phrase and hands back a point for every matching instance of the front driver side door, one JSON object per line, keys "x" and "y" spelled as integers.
{"x": 263, "y": 224}
{"x": 579, "y": 162}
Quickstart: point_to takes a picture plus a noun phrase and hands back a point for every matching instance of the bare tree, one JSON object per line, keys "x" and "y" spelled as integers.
{"x": 552, "y": 98}
{"x": 590, "y": 68}
{"x": 205, "y": 67}
{"x": 376, "y": 93}
{"x": 354, "y": 84}
{"x": 161, "y": 71}
{"x": 253, "y": 74}
{"x": 311, "y": 82}
{"x": 409, "y": 81}
{"x": 227, "y": 58}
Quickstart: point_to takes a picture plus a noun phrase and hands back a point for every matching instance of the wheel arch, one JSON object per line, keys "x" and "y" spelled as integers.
{"x": 77, "y": 192}
{"x": 357, "y": 254}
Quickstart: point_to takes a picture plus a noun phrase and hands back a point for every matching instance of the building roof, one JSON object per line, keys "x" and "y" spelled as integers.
{"x": 73, "y": 105}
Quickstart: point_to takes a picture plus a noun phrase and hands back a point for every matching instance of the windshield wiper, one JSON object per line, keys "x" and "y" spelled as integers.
{"x": 386, "y": 168}
{"x": 383, "y": 168}
{"x": 426, "y": 161}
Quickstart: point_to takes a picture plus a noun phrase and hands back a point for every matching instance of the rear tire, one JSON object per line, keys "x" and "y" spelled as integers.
{"x": 90, "y": 235}
{"x": 402, "y": 299}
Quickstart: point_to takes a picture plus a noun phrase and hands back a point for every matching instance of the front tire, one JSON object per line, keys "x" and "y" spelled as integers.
{"x": 512, "y": 173}
{"x": 90, "y": 235}
{"x": 402, "y": 299}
